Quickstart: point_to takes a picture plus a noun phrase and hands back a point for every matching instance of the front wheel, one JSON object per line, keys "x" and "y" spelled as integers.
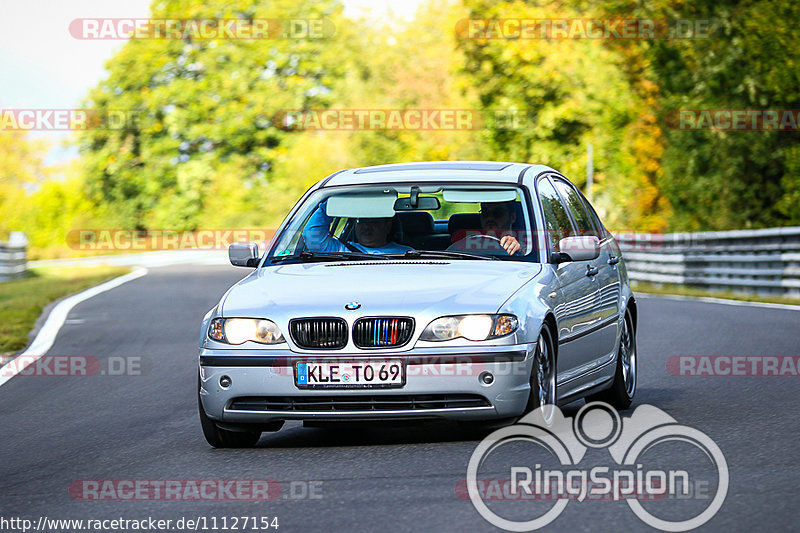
{"x": 543, "y": 374}
{"x": 623, "y": 389}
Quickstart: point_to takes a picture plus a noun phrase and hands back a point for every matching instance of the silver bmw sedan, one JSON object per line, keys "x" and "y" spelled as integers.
{"x": 451, "y": 290}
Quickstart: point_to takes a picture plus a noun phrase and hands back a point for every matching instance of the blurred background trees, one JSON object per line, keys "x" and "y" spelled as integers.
{"x": 201, "y": 147}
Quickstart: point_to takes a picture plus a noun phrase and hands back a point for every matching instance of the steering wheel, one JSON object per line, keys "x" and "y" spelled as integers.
{"x": 482, "y": 236}
{"x": 497, "y": 242}
{"x": 488, "y": 243}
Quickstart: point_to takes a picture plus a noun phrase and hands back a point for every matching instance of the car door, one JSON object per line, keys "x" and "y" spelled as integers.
{"x": 575, "y": 309}
{"x": 600, "y": 336}
{"x": 609, "y": 275}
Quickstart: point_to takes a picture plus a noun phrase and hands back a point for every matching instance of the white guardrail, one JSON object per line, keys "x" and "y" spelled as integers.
{"x": 764, "y": 261}
{"x": 13, "y": 257}
{"x": 14, "y": 263}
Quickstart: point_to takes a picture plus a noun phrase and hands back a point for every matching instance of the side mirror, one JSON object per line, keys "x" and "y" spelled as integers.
{"x": 583, "y": 248}
{"x": 243, "y": 254}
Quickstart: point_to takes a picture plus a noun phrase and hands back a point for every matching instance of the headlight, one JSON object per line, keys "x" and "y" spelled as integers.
{"x": 471, "y": 327}
{"x": 240, "y": 330}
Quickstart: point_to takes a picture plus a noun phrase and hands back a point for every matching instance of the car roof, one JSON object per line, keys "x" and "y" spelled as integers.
{"x": 464, "y": 171}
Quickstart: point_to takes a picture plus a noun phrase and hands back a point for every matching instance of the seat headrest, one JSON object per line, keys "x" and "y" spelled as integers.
{"x": 463, "y": 221}
{"x": 416, "y": 222}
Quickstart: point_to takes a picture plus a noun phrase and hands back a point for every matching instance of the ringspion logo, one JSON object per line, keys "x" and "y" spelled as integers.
{"x": 551, "y": 472}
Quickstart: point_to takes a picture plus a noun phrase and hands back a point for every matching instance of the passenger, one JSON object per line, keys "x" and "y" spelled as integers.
{"x": 372, "y": 235}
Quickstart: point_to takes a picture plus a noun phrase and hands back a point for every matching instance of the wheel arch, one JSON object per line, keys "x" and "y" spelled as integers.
{"x": 550, "y": 323}
{"x": 634, "y": 313}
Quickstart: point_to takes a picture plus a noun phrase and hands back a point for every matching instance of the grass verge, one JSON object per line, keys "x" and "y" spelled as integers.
{"x": 680, "y": 290}
{"x": 22, "y": 300}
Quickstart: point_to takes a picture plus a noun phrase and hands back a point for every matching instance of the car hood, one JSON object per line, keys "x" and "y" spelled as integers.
{"x": 408, "y": 288}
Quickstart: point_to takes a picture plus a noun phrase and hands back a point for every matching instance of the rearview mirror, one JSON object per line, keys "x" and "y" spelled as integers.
{"x": 243, "y": 254}
{"x": 426, "y": 203}
{"x": 583, "y": 248}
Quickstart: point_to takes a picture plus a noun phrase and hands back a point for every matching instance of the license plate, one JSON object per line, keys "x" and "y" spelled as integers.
{"x": 349, "y": 374}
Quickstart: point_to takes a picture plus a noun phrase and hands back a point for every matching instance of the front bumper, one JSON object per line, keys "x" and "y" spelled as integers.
{"x": 439, "y": 384}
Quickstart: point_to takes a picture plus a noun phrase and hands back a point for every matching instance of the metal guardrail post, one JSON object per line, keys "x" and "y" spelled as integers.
{"x": 13, "y": 256}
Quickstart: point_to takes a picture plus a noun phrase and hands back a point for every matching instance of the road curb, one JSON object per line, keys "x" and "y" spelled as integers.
{"x": 55, "y": 317}
{"x": 723, "y": 301}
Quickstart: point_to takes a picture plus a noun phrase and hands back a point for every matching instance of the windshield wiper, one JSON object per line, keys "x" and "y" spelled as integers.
{"x": 445, "y": 254}
{"x": 308, "y": 255}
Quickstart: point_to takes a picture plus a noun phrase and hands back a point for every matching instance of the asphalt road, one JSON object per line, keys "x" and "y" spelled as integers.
{"x": 144, "y": 425}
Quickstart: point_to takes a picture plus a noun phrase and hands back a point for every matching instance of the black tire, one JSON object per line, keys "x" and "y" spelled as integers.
{"x": 623, "y": 388}
{"x": 224, "y": 438}
{"x": 544, "y": 358}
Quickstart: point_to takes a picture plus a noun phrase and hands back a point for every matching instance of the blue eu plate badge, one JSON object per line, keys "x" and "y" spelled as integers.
{"x": 302, "y": 373}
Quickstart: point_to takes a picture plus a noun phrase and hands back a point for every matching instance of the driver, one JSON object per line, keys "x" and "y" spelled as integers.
{"x": 372, "y": 235}
{"x": 497, "y": 219}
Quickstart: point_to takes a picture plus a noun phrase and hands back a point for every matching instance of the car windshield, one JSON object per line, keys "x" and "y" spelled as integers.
{"x": 448, "y": 221}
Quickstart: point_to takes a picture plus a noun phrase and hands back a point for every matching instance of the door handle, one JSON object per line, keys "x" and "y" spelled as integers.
{"x": 591, "y": 270}
{"x": 613, "y": 260}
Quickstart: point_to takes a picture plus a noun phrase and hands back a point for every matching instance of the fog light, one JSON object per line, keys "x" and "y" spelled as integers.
{"x": 225, "y": 382}
{"x": 487, "y": 378}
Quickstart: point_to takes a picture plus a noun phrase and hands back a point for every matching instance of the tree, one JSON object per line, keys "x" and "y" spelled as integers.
{"x": 571, "y": 92}
{"x": 22, "y": 170}
{"x": 722, "y": 179}
{"x": 200, "y": 114}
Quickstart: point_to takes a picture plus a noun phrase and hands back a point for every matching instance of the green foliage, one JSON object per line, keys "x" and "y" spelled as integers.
{"x": 724, "y": 179}
{"x": 202, "y": 114}
{"x": 22, "y": 170}
{"x": 201, "y": 148}
{"x": 417, "y": 67}
{"x": 571, "y": 93}
{"x": 651, "y": 175}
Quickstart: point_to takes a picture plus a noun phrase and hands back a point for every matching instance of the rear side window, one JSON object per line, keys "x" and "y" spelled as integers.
{"x": 584, "y": 221}
{"x": 556, "y": 218}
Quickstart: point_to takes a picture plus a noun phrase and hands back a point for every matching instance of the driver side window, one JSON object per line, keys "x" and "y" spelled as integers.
{"x": 556, "y": 219}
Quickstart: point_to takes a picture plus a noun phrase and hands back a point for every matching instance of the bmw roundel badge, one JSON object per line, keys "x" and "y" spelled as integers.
{"x": 352, "y": 306}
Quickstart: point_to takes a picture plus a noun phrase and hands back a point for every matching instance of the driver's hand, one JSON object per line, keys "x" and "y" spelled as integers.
{"x": 510, "y": 244}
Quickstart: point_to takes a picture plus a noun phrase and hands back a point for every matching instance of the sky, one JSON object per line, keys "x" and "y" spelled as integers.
{"x": 43, "y": 67}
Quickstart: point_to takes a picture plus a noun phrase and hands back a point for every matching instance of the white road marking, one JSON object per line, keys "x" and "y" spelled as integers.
{"x": 722, "y": 301}
{"x": 47, "y": 335}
